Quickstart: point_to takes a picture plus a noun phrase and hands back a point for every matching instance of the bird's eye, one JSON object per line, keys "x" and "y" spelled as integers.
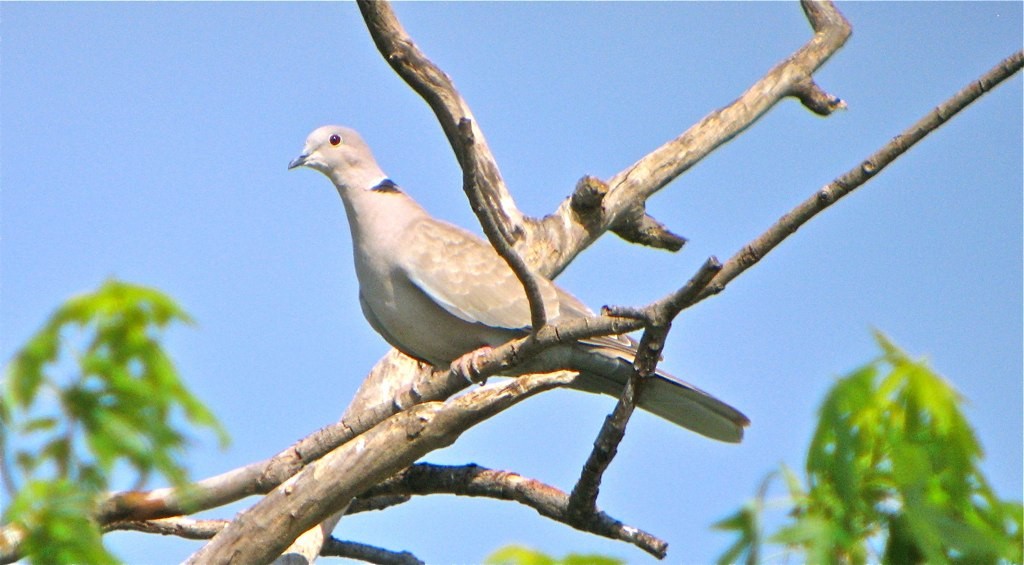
{"x": 335, "y": 139}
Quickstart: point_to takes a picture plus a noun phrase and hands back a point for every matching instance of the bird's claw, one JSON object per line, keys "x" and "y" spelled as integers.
{"x": 469, "y": 364}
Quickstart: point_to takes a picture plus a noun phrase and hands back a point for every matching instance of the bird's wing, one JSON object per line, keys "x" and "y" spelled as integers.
{"x": 466, "y": 276}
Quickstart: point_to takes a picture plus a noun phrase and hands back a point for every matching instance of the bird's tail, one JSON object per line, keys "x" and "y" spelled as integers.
{"x": 606, "y": 371}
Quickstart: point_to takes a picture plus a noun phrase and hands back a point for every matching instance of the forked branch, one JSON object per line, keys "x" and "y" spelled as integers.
{"x": 548, "y": 501}
{"x": 430, "y": 82}
{"x": 861, "y": 174}
{"x": 327, "y": 485}
{"x": 658, "y": 321}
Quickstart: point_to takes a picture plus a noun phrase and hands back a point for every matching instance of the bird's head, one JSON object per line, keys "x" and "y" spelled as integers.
{"x": 341, "y": 154}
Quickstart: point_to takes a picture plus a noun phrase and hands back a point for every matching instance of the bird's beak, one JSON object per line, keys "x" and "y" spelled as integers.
{"x": 298, "y": 161}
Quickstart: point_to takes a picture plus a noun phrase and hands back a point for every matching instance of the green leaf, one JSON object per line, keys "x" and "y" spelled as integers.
{"x": 796, "y": 489}
{"x": 25, "y": 374}
{"x": 520, "y": 555}
{"x": 821, "y": 539}
{"x": 116, "y": 400}
{"x": 39, "y": 425}
{"x": 590, "y": 559}
{"x": 893, "y": 459}
{"x": 901, "y": 546}
{"x": 56, "y": 518}
{"x": 745, "y": 523}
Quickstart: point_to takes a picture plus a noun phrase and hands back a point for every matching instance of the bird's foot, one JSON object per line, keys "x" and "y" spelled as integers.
{"x": 469, "y": 364}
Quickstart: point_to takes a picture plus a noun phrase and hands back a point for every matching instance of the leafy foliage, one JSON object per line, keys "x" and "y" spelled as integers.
{"x": 91, "y": 392}
{"x": 892, "y": 459}
{"x": 519, "y": 555}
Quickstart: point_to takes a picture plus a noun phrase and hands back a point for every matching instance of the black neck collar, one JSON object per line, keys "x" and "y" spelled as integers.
{"x": 386, "y": 185}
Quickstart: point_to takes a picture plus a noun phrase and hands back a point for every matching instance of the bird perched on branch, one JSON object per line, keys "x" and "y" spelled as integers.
{"x": 436, "y": 292}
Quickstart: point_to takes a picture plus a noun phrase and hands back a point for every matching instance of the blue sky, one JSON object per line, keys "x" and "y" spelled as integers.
{"x": 149, "y": 142}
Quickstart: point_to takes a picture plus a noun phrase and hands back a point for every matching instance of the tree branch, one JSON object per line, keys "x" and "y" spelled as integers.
{"x": 205, "y": 529}
{"x": 565, "y": 238}
{"x": 397, "y": 382}
{"x": 658, "y": 318}
{"x": 324, "y": 487}
{"x": 187, "y": 528}
{"x": 370, "y": 503}
{"x": 585, "y": 204}
{"x": 548, "y": 501}
{"x": 369, "y": 553}
{"x": 489, "y": 197}
{"x": 437, "y": 89}
{"x": 476, "y": 185}
{"x": 861, "y": 174}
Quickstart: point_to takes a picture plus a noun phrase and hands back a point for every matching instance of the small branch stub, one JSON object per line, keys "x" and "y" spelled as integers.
{"x": 587, "y": 197}
{"x": 815, "y": 99}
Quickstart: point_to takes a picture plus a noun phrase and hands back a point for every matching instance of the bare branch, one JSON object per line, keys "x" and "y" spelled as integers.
{"x": 423, "y": 385}
{"x": 639, "y": 227}
{"x": 370, "y": 503}
{"x": 369, "y": 553}
{"x": 861, "y": 174}
{"x": 437, "y": 89}
{"x": 408, "y": 383}
{"x": 548, "y": 501}
{"x": 658, "y": 318}
{"x": 475, "y": 184}
{"x": 326, "y": 486}
{"x": 205, "y": 529}
{"x": 814, "y": 98}
{"x": 583, "y": 499}
{"x": 187, "y": 528}
{"x": 655, "y": 170}
{"x": 585, "y": 201}
{"x": 645, "y": 230}
{"x": 489, "y": 197}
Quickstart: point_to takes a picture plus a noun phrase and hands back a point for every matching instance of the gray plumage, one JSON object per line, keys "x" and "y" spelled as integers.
{"x": 435, "y": 291}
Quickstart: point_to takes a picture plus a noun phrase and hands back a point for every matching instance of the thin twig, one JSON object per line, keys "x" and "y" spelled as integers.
{"x": 482, "y": 180}
{"x": 187, "y": 528}
{"x": 368, "y": 553}
{"x": 474, "y": 184}
{"x": 814, "y": 98}
{"x": 658, "y": 318}
{"x": 861, "y": 174}
{"x": 583, "y": 499}
{"x": 371, "y": 503}
{"x": 437, "y": 89}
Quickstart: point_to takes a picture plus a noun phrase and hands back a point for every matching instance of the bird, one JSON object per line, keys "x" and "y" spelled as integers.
{"x": 437, "y": 292}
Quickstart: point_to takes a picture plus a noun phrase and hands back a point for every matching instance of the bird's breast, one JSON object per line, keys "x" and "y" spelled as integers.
{"x": 415, "y": 325}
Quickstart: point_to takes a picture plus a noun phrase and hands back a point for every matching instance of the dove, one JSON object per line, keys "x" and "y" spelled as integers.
{"x": 437, "y": 292}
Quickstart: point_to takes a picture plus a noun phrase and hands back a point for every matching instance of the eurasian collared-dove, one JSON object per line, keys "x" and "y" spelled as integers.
{"x": 435, "y": 291}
